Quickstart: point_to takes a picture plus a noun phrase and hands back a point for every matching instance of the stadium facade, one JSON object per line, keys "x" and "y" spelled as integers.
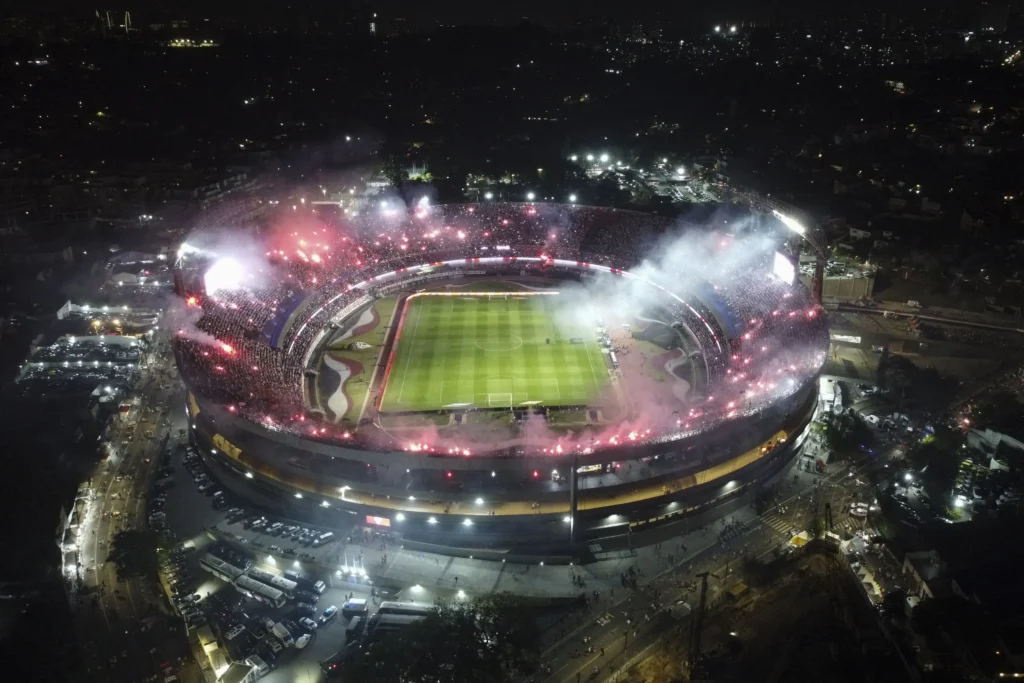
{"x": 263, "y": 423}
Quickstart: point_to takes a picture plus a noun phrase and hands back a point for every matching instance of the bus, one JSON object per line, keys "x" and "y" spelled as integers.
{"x": 303, "y": 582}
{"x": 219, "y": 568}
{"x": 282, "y": 584}
{"x": 259, "y": 591}
{"x": 271, "y": 579}
{"x": 419, "y": 609}
{"x": 382, "y": 624}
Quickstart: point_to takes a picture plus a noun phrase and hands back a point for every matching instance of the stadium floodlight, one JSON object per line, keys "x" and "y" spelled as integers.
{"x": 572, "y": 198}
{"x": 530, "y": 196}
{"x": 791, "y": 223}
{"x": 604, "y": 158}
{"x": 718, "y": 29}
{"x": 226, "y": 273}
{"x": 488, "y": 195}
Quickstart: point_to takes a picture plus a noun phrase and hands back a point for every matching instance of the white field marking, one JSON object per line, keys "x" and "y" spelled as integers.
{"x": 416, "y": 327}
{"x": 502, "y": 401}
{"x": 593, "y": 372}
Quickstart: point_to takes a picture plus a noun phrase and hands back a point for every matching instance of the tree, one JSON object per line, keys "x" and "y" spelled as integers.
{"x": 135, "y": 553}
{"x": 893, "y": 605}
{"x": 491, "y": 639}
{"x": 937, "y": 457}
{"x": 393, "y": 169}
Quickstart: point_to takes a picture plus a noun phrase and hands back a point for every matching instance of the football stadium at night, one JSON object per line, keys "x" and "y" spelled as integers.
{"x": 499, "y": 377}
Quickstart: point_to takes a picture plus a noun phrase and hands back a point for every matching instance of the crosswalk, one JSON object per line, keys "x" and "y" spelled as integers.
{"x": 778, "y": 523}
{"x": 787, "y": 527}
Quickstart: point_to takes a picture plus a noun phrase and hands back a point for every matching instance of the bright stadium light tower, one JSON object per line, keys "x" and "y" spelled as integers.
{"x": 816, "y": 240}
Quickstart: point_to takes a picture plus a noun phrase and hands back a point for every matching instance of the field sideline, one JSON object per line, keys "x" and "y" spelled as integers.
{"x": 490, "y": 351}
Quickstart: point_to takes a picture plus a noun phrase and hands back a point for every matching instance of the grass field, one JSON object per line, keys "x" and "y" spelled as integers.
{"x": 474, "y": 351}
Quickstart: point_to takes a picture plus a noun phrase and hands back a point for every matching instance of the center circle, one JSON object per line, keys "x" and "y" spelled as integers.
{"x": 496, "y": 343}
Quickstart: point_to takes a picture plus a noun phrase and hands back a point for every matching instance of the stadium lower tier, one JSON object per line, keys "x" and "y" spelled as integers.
{"x": 525, "y": 505}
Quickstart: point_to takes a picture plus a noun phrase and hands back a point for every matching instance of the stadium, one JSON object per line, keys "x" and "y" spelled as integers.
{"x": 497, "y": 378}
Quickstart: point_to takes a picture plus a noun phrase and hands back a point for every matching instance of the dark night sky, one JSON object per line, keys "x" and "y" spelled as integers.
{"x": 474, "y": 11}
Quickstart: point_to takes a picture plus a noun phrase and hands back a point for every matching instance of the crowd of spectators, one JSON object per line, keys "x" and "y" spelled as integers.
{"x": 226, "y": 357}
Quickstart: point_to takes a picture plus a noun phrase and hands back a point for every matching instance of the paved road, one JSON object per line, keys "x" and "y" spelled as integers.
{"x": 125, "y": 629}
{"x": 628, "y": 622}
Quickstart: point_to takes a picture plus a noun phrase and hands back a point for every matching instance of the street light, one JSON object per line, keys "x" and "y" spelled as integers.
{"x": 791, "y": 223}
{"x": 604, "y": 158}
{"x": 530, "y": 196}
{"x": 572, "y": 198}
{"x": 488, "y": 195}
{"x": 590, "y": 157}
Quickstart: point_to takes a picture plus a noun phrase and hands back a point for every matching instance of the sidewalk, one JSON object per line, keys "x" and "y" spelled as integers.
{"x": 433, "y": 575}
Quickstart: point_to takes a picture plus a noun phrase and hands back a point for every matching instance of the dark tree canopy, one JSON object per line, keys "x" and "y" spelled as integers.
{"x": 134, "y": 553}
{"x": 491, "y": 639}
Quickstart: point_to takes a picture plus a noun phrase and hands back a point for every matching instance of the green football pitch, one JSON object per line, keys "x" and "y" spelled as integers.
{"x": 491, "y": 352}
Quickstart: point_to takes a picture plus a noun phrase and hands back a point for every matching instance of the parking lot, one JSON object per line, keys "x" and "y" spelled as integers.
{"x": 186, "y": 503}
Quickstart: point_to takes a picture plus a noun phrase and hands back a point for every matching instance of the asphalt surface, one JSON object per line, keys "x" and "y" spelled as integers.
{"x": 633, "y": 621}
{"x": 125, "y": 628}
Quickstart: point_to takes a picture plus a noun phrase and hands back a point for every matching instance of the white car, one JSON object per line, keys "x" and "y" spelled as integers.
{"x": 303, "y": 641}
{"x": 308, "y": 624}
{"x": 859, "y": 510}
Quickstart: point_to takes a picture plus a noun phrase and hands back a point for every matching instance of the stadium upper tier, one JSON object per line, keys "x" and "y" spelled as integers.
{"x": 260, "y": 322}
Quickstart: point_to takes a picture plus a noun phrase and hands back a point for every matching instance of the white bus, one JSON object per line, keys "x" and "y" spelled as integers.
{"x": 219, "y": 568}
{"x": 271, "y": 579}
{"x": 259, "y": 591}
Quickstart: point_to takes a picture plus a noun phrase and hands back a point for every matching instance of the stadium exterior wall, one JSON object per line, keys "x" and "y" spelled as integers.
{"x": 261, "y": 477}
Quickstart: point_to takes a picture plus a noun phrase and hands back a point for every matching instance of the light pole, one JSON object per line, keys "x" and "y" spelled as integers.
{"x": 816, "y": 239}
